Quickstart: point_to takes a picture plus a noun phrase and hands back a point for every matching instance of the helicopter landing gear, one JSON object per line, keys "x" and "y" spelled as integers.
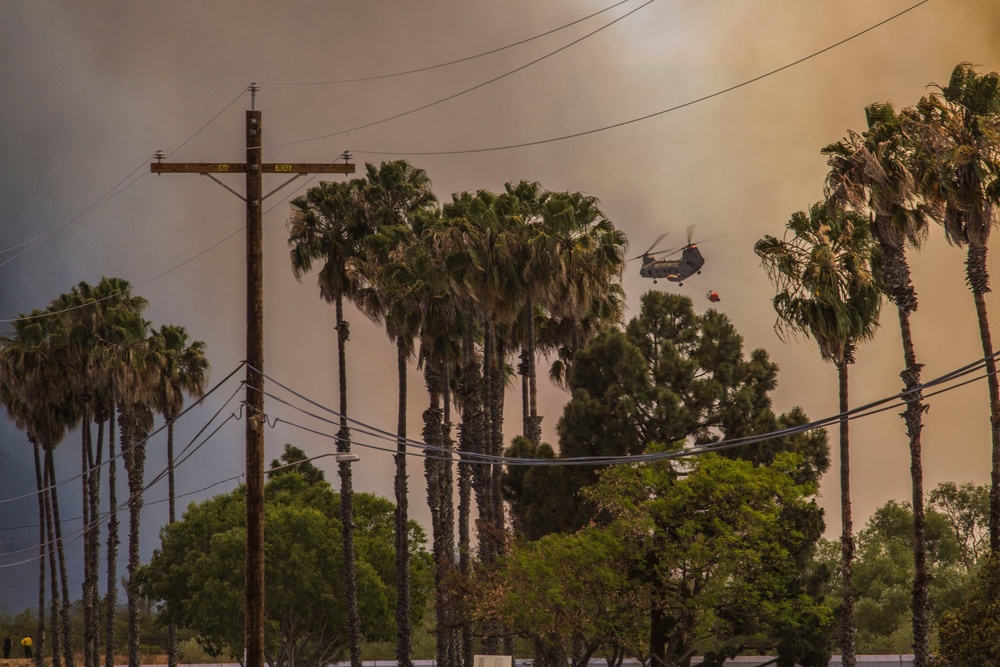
{"x": 654, "y": 281}
{"x": 699, "y": 273}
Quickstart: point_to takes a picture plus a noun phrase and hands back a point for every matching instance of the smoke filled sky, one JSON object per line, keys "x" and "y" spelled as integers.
{"x": 91, "y": 90}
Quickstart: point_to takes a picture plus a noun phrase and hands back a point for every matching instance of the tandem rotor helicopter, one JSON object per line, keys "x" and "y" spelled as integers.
{"x": 675, "y": 270}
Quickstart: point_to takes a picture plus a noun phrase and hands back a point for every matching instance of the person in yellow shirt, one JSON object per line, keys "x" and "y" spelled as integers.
{"x": 26, "y": 643}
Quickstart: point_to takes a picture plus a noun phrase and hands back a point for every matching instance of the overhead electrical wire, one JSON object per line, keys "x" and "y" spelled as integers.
{"x": 445, "y": 64}
{"x": 472, "y": 457}
{"x": 889, "y": 402}
{"x": 120, "y": 187}
{"x": 78, "y": 533}
{"x": 443, "y": 99}
{"x": 143, "y": 440}
{"x": 144, "y": 504}
{"x": 639, "y": 119}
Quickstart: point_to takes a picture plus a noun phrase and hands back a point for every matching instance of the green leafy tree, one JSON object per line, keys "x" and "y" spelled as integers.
{"x": 670, "y": 378}
{"x": 198, "y": 570}
{"x": 571, "y": 595}
{"x": 883, "y": 573}
{"x": 970, "y": 634}
{"x": 713, "y": 548}
{"x": 967, "y": 507}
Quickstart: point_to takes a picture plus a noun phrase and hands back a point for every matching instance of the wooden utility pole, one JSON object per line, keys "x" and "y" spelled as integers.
{"x": 254, "y": 168}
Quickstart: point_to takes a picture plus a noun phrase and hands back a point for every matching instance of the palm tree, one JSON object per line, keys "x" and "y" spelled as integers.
{"x": 393, "y": 194}
{"x": 183, "y": 369}
{"x": 960, "y": 132}
{"x": 39, "y": 403}
{"x": 327, "y": 225}
{"x": 118, "y": 327}
{"x": 524, "y": 203}
{"x": 871, "y": 173}
{"x": 827, "y": 290}
{"x": 135, "y": 377}
{"x": 440, "y": 325}
{"x": 12, "y": 397}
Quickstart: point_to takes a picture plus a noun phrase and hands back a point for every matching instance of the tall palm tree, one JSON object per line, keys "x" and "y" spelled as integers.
{"x": 960, "y": 132}
{"x": 481, "y": 242}
{"x": 118, "y": 326}
{"x": 524, "y": 203}
{"x": 826, "y": 289}
{"x": 871, "y": 172}
{"x": 12, "y": 397}
{"x": 392, "y": 195}
{"x": 182, "y": 369}
{"x": 32, "y": 364}
{"x": 327, "y": 225}
{"x": 135, "y": 378}
{"x": 440, "y": 349}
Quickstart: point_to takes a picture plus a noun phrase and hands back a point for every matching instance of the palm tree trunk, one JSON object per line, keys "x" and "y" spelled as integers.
{"x": 978, "y": 279}
{"x": 171, "y": 518}
{"x": 53, "y": 569}
{"x": 87, "y": 457}
{"x": 913, "y": 416}
{"x": 489, "y": 526}
{"x": 134, "y": 451}
{"x": 899, "y": 287}
{"x": 467, "y": 437}
{"x": 433, "y": 467}
{"x": 404, "y": 646}
{"x": 111, "y": 601}
{"x": 482, "y": 477}
{"x": 347, "y": 492}
{"x": 94, "y": 530}
{"x": 848, "y": 630}
{"x": 534, "y": 431}
{"x": 448, "y": 515}
{"x": 42, "y": 547}
{"x": 65, "y": 612}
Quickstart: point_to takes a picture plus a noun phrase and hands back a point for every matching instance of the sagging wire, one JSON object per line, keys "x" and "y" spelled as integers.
{"x": 142, "y": 441}
{"x": 874, "y": 407}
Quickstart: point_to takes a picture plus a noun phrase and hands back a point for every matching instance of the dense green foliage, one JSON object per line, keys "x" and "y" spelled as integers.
{"x": 673, "y": 378}
{"x": 198, "y": 571}
{"x": 956, "y": 533}
{"x": 970, "y": 634}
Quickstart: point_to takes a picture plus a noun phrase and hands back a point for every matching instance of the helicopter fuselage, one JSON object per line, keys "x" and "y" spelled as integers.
{"x": 674, "y": 270}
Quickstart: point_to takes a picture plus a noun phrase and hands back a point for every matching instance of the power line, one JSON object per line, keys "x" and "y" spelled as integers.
{"x": 120, "y": 187}
{"x": 676, "y": 107}
{"x": 143, "y": 440}
{"x": 889, "y": 402}
{"x": 445, "y": 64}
{"x": 449, "y": 97}
{"x": 77, "y": 534}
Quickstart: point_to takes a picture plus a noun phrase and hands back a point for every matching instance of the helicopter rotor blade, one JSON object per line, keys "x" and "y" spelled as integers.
{"x": 655, "y": 243}
{"x": 690, "y": 232}
{"x": 666, "y": 253}
{"x": 710, "y": 238}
